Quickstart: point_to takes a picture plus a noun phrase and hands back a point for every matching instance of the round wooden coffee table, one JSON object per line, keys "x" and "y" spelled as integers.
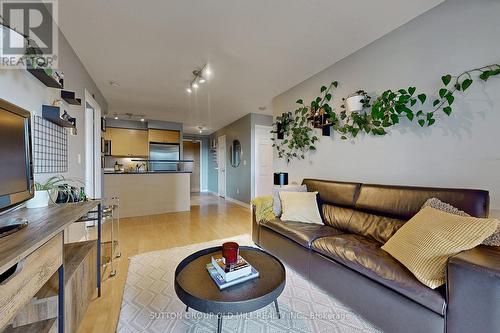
{"x": 196, "y": 289}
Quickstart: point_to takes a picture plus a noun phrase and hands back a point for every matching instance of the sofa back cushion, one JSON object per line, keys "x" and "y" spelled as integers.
{"x": 378, "y": 211}
{"x": 336, "y": 216}
{"x": 377, "y": 227}
{"x": 403, "y": 202}
{"x": 332, "y": 192}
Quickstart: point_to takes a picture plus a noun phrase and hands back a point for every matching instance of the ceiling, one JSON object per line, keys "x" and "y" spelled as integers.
{"x": 256, "y": 49}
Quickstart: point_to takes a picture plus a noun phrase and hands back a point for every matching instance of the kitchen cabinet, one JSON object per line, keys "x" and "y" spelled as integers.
{"x": 164, "y": 136}
{"x": 128, "y": 142}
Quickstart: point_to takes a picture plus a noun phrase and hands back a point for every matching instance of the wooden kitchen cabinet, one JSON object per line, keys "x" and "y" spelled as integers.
{"x": 128, "y": 142}
{"x": 164, "y": 136}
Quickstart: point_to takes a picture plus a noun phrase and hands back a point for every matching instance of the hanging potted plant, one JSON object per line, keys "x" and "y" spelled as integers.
{"x": 357, "y": 101}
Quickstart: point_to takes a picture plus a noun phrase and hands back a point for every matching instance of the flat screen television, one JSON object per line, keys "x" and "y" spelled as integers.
{"x": 16, "y": 174}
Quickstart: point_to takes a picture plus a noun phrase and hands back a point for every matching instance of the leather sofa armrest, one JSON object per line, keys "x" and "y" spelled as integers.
{"x": 473, "y": 291}
{"x": 255, "y": 227}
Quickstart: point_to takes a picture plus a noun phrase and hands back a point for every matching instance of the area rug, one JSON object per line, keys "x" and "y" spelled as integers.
{"x": 151, "y": 305}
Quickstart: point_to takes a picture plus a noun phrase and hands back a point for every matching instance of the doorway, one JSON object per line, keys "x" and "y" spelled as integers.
{"x": 93, "y": 154}
{"x": 263, "y": 161}
{"x": 192, "y": 151}
{"x": 221, "y": 171}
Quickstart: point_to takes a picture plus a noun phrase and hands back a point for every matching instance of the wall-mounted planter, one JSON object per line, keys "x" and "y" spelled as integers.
{"x": 354, "y": 103}
{"x": 326, "y": 129}
{"x": 280, "y": 133}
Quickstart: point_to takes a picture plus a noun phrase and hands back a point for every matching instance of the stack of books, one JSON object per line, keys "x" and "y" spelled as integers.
{"x": 229, "y": 275}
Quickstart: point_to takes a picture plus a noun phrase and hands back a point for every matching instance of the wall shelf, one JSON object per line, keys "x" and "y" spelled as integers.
{"x": 46, "y": 79}
{"x": 53, "y": 114}
{"x": 69, "y": 97}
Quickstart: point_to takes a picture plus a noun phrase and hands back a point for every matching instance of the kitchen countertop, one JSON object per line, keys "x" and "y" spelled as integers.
{"x": 143, "y": 172}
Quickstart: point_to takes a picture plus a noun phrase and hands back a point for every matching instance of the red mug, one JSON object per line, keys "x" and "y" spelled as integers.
{"x": 230, "y": 252}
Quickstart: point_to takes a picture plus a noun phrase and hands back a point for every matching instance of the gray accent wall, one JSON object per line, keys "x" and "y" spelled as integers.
{"x": 458, "y": 151}
{"x": 238, "y": 179}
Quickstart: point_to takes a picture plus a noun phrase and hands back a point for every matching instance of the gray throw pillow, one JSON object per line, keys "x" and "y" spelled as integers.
{"x": 286, "y": 188}
{"x": 493, "y": 240}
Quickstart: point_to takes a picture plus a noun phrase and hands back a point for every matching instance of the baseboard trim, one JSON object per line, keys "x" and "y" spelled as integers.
{"x": 239, "y": 203}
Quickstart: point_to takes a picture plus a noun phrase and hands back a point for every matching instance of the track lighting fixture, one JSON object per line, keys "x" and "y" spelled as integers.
{"x": 200, "y": 76}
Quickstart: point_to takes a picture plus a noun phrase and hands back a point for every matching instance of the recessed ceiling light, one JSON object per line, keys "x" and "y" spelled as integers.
{"x": 114, "y": 83}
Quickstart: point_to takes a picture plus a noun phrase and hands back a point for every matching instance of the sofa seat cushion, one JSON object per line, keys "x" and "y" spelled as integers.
{"x": 300, "y": 232}
{"x": 366, "y": 257}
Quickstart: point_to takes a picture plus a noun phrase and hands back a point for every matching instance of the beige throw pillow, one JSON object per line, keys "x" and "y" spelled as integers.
{"x": 286, "y": 188}
{"x": 300, "y": 207}
{"x": 493, "y": 240}
{"x": 426, "y": 242}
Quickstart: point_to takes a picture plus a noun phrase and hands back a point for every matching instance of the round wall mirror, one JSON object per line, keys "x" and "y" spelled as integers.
{"x": 235, "y": 153}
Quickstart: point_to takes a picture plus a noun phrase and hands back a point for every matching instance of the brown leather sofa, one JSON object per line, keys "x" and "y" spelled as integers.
{"x": 344, "y": 258}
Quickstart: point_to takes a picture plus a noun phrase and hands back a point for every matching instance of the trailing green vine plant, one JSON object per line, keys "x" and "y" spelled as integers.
{"x": 386, "y": 110}
{"x": 296, "y": 128}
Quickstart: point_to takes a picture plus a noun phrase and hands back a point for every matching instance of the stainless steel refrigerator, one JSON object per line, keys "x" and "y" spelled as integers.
{"x": 162, "y": 153}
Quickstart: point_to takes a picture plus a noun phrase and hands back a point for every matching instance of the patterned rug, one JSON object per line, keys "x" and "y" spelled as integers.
{"x": 151, "y": 305}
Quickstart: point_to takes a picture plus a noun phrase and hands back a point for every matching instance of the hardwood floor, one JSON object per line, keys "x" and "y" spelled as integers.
{"x": 210, "y": 218}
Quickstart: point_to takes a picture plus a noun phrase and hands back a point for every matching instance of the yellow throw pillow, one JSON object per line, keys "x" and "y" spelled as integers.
{"x": 300, "y": 207}
{"x": 426, "y": 242}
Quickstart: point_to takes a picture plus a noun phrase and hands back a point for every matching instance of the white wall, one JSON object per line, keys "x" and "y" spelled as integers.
{"x": 23, "y": 89}
{"x": 460, "y": 151}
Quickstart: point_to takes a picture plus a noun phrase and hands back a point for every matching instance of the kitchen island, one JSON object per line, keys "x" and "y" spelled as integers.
{"x": 149, "y": 193}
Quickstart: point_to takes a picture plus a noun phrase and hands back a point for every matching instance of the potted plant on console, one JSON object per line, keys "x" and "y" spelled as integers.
{"x": 53, "y": 189}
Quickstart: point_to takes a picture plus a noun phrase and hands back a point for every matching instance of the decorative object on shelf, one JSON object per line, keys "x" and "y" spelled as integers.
{"x": 387, "y": 110}
{"x": 281, "y": 178}
{"x": 235, "y": 153}
{"x": 69, "y": 97}
{"x": 356, "y": 102}
{"x": 50, "y": 147}
{"x": 200, "y": 76}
